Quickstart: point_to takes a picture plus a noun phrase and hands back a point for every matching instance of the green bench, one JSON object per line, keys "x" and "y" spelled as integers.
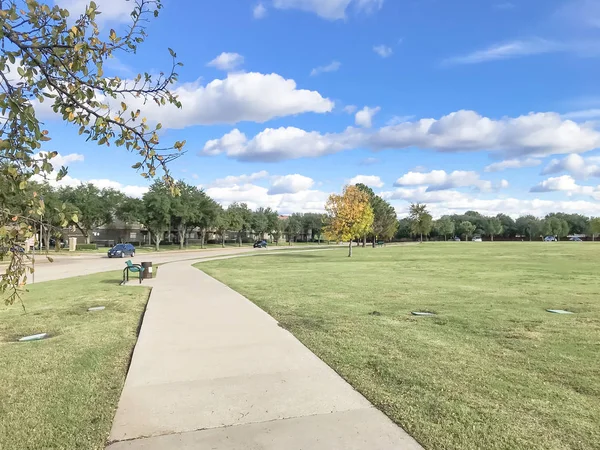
{"x": 135, "y": 268}
{"x": 380, "y": 243}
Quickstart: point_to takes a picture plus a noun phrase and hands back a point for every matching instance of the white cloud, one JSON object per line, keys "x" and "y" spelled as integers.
{"x": 350, "y": 109}
{"x": 438, "y": 180}
{"x": 527, "y": 47}
{"x": 252, "y": 96}
{"x": 422, "y": 195}
{"x": 331, "y": 67}
{"x": 585, "y": 114}
{"x": 574, "y": 165}
{"x": 227, "y": 61}
{"x": 329, "y": 9}
{"x": 364, "y": 117}
{"x": 259, "y": 11}
{"x": 532, "y": 135}
{"x": 512, "y": 164}
{"x": 64, "y": 160}
{"x": 290, "y": 184}
{"x": 257, "y": 196}
{"x": 129, "y": 190}
{"x": 111, "y": 10}
{"x": 369, "y": 180}
{"x": 383, "y": 50}
{"x": 399, "y": 119}
{"x": 456, "y": 203}
{"x": 564, "y": 183}
{"x": 240, "y": 179}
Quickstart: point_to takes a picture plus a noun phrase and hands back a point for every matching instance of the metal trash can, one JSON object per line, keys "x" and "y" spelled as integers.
{"x": 147, "y": 270}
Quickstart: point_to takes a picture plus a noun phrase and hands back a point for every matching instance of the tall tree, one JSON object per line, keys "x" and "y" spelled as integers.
{"x": 293, "y": 227}
{"x": 156, "y": 212}
{"x": 421, "y": 220}
{"x": 493, "y": 227}
{"x": 508, "y": 225}
{"x": 260, "y": 222}
{"x": 385, "y": 219}
{"x": 279, "y": 229}
{"x": 186, "y": 210}
{"x": 445, "y": 227}
{"x": 96, "y": 207}
{"x": 467, "y": 228}
{"x": 594, "y": 227}
{"x": 221, "y": 224}
{"x": 554, "y": 226}
{"x": 273, "y": 221}
{"x": 48, "y": 56}
{"x": 130, "y": 211}
{"x": 349, "y": 215}
{"x": 239, "y": 218}
{"x": 528, "y": 226}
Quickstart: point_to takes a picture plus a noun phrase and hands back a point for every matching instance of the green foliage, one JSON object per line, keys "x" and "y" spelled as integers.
{"x": 554, "y": 226}
{"x": 96, "y": 207}
{"x": 493, "y": 227}
{"x": 156, "y": 211}
{"x": 529, "y": 226}
{"x": 421, "y": 220}
{"x": 48, "y": 57}
{"x": 293, "y": 227}
{"x": 87, "y": 247}
{"x": 239, "y": 218}
{"x": 466, "y": 229}
{"x": 594, "y": 227}
{"x": 445, "y": 227}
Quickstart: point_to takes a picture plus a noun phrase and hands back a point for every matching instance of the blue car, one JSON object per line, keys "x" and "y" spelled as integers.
{"x": 260, "y": 244}
{"x": 121, "y": 251}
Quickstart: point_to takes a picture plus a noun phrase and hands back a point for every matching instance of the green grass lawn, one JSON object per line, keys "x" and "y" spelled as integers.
{"x": 493, "y": 370}
{"x": 62, "y": 393}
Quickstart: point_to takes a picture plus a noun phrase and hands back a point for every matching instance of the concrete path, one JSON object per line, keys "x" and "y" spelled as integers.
{"x": 213, "y": 371}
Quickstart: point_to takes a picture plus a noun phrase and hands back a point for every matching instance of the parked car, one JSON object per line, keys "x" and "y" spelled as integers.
{"x": 549, "y": 239}
{"x": 477, "y": 239}
{"x": 260, "y": 244}
{"x": 575, "y": 239}
{"x": 456, "y": 239}
{"x": 121, "y": 251}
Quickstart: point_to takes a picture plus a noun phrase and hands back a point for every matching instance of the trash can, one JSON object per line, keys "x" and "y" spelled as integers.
{"x": 147, "y": 270}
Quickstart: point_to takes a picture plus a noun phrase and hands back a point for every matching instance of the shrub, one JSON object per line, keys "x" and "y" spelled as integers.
{"x": 87, "y": 247}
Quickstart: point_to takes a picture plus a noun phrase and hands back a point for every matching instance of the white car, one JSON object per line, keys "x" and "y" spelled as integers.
{"x": 477, "y": 239}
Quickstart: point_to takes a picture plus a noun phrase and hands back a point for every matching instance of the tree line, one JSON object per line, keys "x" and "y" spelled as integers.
{"x": 420, "y": 224}
{"x": 87, "y": 207}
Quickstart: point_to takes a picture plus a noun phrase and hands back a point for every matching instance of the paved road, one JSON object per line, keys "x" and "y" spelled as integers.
{"x": 213, "y": 371}
{"x": 72, "y": 266}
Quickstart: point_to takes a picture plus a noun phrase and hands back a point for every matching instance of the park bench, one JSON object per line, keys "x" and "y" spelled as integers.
{"x": 135, "y": 268}
{"x": 380, "y": 243}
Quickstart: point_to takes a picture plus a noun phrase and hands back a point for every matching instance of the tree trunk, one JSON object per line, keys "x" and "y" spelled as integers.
{"x": 239, "y": 238}
{"x": 445, "y": 238}
{"x": 350, "y": 249}
{"x": 593, "y": 237}
{"x": 203, "y": 236}
{"x": 492, "y": 237}
{"x": 157, "y": 240}
{"x": 421, "y": 238}
{"x": 223, "y": 240}
{"x": 181, "y": 234}
{"x": 364, "y": 241}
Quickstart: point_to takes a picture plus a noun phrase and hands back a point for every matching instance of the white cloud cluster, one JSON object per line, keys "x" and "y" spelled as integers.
{"x": 532, "y": 135}
{"x": 568, "y": 185}
{"x": 364, "y": 117}
{"x": 575, "y": 165}
{"x": 329, "y": 9}
{"x": 383, "y": 50}
{"x": 251, "y": 96}
{"x": 370, "y": 180}
{"x": 290, "y": 184}
{"x": 259, "y": 11}
{"x": 512, "y": 164}
{"x": 111, "y": 10}
{"x": 227, "y": 61}
{"x": 333, "y": 66}
{"x": 439, "y": 180}
{"x": 65, "y": 160}
{"x": 240, "y": 179}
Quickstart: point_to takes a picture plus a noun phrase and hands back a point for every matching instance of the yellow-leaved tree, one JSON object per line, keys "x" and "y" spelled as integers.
{"x": 348, "y": 215}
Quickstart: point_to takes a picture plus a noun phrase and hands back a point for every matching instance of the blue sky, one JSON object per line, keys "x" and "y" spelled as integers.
{"x": 476, "y": 104}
